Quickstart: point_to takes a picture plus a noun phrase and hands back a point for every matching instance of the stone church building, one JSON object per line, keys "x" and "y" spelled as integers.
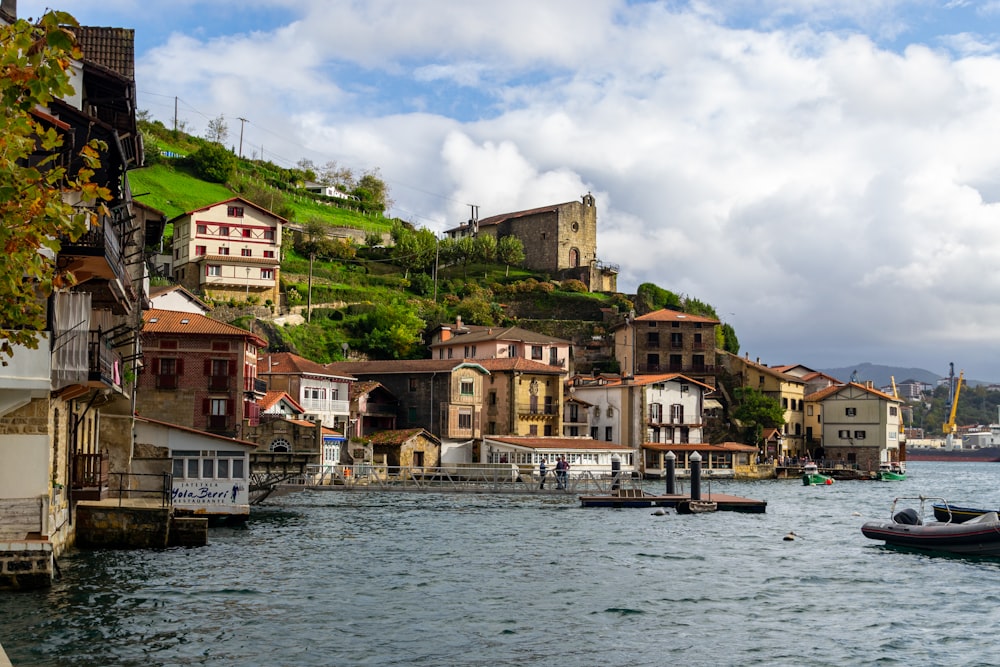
{"x": 559, "y": 239}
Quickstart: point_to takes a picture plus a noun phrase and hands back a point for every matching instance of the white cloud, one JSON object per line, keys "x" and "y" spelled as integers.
{"x": 835, "y": 200}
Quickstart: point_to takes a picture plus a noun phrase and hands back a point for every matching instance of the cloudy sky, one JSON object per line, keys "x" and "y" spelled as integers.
{"x": 825, "y": 173}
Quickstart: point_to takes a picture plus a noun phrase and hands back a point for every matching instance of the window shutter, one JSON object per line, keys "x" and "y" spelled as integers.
{"x": 156, "y": 366}
{"x": 232, "y": 368}
{"x": 180, "y": 367}
{"x": 208, "y": 367}
{"x": 205, "y": 406}
{"x": 230, "y": 407}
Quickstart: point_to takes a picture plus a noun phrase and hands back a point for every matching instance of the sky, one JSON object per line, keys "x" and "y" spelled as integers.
{"x": 824, "y": 173}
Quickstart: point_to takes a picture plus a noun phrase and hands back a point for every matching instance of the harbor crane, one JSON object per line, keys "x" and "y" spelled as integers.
{"x": 954, "y": 389}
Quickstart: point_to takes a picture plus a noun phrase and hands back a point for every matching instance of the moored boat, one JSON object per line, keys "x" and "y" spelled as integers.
{"x": 888, "y": 472}
{"x": 691, "y": 506}
{"x": 978, "y": 536}
{"x": 958, "y": 514}
{"x": 811, "y": 476}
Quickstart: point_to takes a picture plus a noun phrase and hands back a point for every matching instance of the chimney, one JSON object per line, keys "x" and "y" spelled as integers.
{"x": 458, "y": 321}
{"x": 445, "y": 334}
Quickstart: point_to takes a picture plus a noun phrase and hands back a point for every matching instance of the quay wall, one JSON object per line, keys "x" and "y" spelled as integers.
{"x": 25, "y": 565}
{"x": 109, "y": 526}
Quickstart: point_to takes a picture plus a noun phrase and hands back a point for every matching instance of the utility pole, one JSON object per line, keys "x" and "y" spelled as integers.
{"x": 243, "y": 121}
{"x": 175, "y": 113}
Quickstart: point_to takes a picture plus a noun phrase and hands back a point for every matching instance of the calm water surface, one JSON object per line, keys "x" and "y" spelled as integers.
{"x": 334, "y": 578}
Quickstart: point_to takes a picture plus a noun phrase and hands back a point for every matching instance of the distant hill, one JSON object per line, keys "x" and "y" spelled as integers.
{"x": 881, "y": 376}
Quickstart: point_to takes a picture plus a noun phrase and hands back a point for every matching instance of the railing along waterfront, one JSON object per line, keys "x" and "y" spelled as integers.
{"x": 474, "y": 478}
{"x": 145, "y": 484}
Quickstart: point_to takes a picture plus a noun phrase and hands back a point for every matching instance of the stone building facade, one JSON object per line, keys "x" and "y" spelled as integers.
{"x": 560, "y": 239}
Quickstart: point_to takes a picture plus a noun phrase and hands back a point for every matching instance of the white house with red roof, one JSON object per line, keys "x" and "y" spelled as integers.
{"x": 324, "y": 395}
{"x": 230, "y": 249}
{"x": 585, "y": 455}
{"x": 663, "y": 408}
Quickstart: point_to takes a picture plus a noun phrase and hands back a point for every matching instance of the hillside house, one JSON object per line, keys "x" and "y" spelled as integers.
{"x": 860, "y": 426}
{"x": 442, "y": 396}
{"x": 229, "y": 250}
{"x": 559, "y": 239}
{"x": 177, "y": 299}
{"x": 647, "y": 409}
{"x": 324, "y": 395}
{"x": 52, "y": 399}
{"x": 476, "y": 342}
{"x": 667, "y": 341}
{"x": 522, "y": 397}
{"x": 373, "y": 409}
{"x": 199, "y": 373}
{"x": 788, "y": 390}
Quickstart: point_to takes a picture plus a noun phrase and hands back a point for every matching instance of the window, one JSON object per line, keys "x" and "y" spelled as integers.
{"x": 223, "y": 250}
{"x": 411, "y": 414}
{"x": 533, "y": 429}
{"x": 859, "y": 435}
{"x": 167, "y": 370}
{"x": 511, "y": 351}
{"x": 199, "y": 250}
{"x": 412, "y": 384}
{"x": 809, "y": 410}
{"x": 213, "y": 270}
{"x": 784, "y": 402}
{"x": 851, "y": 412}
{"x": 536, "y": 352}
{"x": 269, "y": 234}
{"x": 467, "y": 387}
{"x": 246, "y": 252}
{"x": 246, "y": 233}
{"x": 202, "y": 229}
{"x": 223, "y": 231}
{"x": 493, "y": 397}
{"x": 697, "y": 338}
{"x": 219, "y": 374}
{"x": 234, "y": 211}
{"x": 653, "y": 339}
{"x": 892, "y": 411}
{"x": 676, "y": 339}
{"x": 451, "y": 352}
{"x": 844, "y": 434}
{"x": 608, "y": 430}
{"x": 593, "y": 433}
{"x": 465, "y": 420}
{"x": 655, "y": 412}
{"x": 676, "y": 413}
{"x": 267, "y": 274}
{"x": 269, "y": 254}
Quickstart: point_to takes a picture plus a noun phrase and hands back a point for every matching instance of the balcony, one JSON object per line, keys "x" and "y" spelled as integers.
{"x": 700, "y": 369}
{"x": 535, "y": 411}
{"x": 320, "y": 406}
{"x": 105, "y": 364}
{"x": 99, "y": 252}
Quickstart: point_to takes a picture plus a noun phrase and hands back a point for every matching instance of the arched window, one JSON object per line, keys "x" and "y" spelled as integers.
{"x": 281, "y": 445}
{"x": 574, "y": 257}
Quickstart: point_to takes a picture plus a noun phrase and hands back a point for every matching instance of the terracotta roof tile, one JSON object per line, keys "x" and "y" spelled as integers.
{"x": 112, "y": 48}
{"x": 409, "y": 366}
{"x": 155, "y": 321}
{"x": 667, "y": 315}
{"x": 286, "y": 363}
{"x": 519, "y": 364}
{"x": 398, "y": 437}
{"x": 482, "y": 334}
{"x": 560, "y": 444}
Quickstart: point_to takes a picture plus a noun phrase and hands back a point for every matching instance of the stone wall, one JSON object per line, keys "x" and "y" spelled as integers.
{"x": 111, "y": 527}
{"x": 25, "y": 565}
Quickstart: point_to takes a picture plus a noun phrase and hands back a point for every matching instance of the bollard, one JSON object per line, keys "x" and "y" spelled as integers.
{"x": 695, "y": 460}
{"x": 671, "y": 472}
{"x": 616, "y": 472}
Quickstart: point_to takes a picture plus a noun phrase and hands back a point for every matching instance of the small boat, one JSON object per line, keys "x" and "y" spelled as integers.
{"x": 811, "y": 476}
{"x": 890, "y": 472}
{"x": 957, "y": 514}
{"x": 978, "y": 536}
{"x": 691, "y": 506}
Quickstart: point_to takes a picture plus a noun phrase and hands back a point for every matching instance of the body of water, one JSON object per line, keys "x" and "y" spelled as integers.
{"x": 350, "y": 578}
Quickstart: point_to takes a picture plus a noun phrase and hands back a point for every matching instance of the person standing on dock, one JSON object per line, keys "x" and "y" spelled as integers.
{"x": 541, "y": 472}
{"x": 561, "y": 467}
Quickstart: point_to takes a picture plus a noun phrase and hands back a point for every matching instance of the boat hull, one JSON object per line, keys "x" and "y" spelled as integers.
{"x": 958, "y": 514}
{"x": 977, "y": 538}
{"x": 981, "y": 455}
{"x": 816, "y": 480}
{"x": 891, "y": 476}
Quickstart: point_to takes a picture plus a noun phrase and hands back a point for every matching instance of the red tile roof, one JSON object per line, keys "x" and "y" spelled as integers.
{"x": 286, "y": 363}
{"x": 479, "y": 334}
{"x": 243, "y": 201}
{"x": 667, "y": 315}
{"x": 700, "y": 447}
{"x": 272, "y": 397}
{"x": 409, "y": 366}
{"x": 399, "y": 437}
{"x": 519, "y": 364}
{"x": 155, "y": 321}
{"x": 560, "y": 444}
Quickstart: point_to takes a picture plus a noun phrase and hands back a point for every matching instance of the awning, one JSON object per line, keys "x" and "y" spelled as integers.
{"x": 712, "y": 404}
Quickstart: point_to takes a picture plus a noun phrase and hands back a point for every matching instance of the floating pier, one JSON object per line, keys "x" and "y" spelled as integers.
{"x": 636, "y": 497}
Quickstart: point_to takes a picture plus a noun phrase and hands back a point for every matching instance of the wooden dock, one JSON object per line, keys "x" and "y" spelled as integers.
{"x": 639, "y": 498}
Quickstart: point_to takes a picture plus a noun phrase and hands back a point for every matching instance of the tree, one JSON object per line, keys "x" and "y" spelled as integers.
{"x": 214, "y": 163}
{"x": 726, "y": 339}
{"x": 35, "y": 183}
{"x": 649, "y": 298}
{"x": 510, "y": 250}
{"x": 218, "y": 130}
{"x": 372, "y": 192}
{"x": 756, "y": 411}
